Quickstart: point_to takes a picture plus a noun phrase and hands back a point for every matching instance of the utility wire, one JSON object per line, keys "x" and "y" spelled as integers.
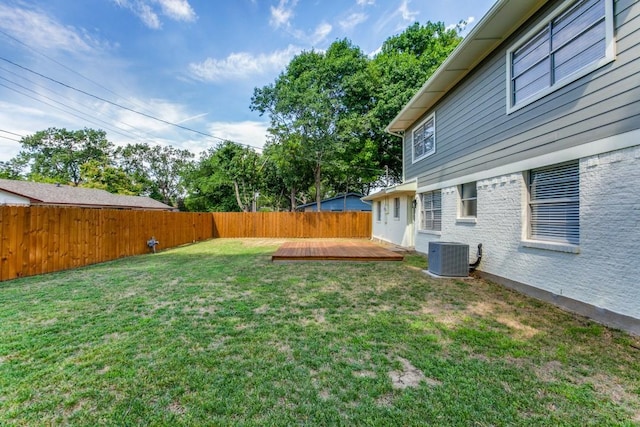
{"x": 66, "y": 67}
{"x": 12, "y": 133}
{"x": 105, "y": 124}
{"x": 119, "y": 105}
{"x": 64, "y": 111}
{"x": 10, "y": 139}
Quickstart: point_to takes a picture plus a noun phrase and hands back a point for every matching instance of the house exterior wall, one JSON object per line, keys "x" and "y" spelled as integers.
{"x": 603, "y": 274}
{"x": 12, "y": 199}
{"x": 595, "y": 120}
{"x": 475, "y": 133}
{"x": 353, "y": 203}
{"x": 398, "y": 231}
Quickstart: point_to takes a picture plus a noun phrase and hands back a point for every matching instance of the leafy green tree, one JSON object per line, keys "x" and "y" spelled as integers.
{"x": 404, "y": 64}
{"x": 318, "y": 110}
{"x": 226, "y": 173}
{"x": 109, "y": 178}
{"x": 157, "y": 170}
{"x": 56, "y": 155}
{"x": 13, "y": 168}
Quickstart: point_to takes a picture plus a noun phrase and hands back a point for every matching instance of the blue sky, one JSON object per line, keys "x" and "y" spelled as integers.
{"x": 76, "y": 64}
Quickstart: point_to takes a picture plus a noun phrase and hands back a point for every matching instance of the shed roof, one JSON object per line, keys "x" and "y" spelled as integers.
{"x": 504, "y": 17}
{"x": 55, "y": 194}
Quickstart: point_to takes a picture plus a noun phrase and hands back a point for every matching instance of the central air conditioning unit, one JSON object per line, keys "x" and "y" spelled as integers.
{"x": 449, "y": 259}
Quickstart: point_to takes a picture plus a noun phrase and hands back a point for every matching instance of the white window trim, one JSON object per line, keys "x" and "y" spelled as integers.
{"x": 429, "y": 230}
{"x": 414, "y": 159}
{"x": 610, "y": 55}
{"x": 461, "y": 218}
{"x": 526, "y": 241}
{"x": 397, "y": 217}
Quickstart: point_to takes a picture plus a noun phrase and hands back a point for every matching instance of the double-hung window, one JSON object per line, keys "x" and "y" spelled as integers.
{"x": 468, "y": 200}
{"x": 431, "y": 212}
{"x": 396, "y": 208}
{"x": 554, "y": 203}
{"x": 424, "y": 139}
{"x": 575, "y": 41}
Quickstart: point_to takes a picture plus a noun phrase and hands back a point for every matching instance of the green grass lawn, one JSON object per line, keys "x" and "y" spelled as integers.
{"x": 216, "y": 334}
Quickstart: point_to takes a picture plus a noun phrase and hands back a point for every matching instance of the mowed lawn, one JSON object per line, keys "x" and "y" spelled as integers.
{"x": 216, "y": 334}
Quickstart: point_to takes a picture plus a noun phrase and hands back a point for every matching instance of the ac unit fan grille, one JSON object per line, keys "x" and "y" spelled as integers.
{"x": 449, "y": 259}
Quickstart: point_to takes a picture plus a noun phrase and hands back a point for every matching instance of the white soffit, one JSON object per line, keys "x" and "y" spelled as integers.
{"x": 505, "y": 17}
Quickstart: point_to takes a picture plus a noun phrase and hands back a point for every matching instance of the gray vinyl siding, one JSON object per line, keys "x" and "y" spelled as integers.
{"x": 474, "y": 132}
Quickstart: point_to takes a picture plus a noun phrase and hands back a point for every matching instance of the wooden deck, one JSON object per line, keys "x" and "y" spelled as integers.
{"x": 347, "y": 250}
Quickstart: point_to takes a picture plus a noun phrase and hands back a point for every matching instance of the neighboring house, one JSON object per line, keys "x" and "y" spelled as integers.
{"x": 394, "y": 213}
{"x": 339, "y": 203}
{"x": 25, "y": 193}
{"x": 527, "y": 140}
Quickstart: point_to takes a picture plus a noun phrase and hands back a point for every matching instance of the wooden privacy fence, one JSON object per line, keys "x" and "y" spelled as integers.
{"x": 42, "y": 239}
{"x": 292, "y": 224}
{"x": 39, "y": 239}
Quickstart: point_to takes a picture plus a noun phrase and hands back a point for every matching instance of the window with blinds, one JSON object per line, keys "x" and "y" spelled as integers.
{"x": 575, "y": 41}
{"x": 554, "y": 203}
{"x": 431, "y": 213}
{"x": 424, "y": 139}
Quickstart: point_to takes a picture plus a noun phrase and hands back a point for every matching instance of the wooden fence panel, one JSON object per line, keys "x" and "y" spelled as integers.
{"x": 40, "y": 239}
{"x": 292, "y": 224}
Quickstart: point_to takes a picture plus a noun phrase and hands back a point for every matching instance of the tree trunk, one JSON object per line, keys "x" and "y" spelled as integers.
{"x": 242, "y": 207}
{"x": 292, "y": 197}
{"x": 318, "y": 179}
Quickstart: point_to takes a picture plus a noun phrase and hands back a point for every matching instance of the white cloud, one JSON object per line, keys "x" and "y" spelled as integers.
{"x": 318, "y": 35}
{"x": 38, "y": 30}
{"x": 352, "y": 21}
{"x": 462, "y": 25}
{"x": 321, "y": 32}
{"x": 282, "y": 14}
{"x": 177, "y": 10}
{"x": 407, "y": 14}
{"x": 242, "y": 65}
{"x": 248, "y": 132}
{"x": 148, "y": 16}
{"x": 365, "y": 2}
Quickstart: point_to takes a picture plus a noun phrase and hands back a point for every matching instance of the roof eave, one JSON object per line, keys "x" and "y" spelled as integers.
{"x": 504, "y": 17}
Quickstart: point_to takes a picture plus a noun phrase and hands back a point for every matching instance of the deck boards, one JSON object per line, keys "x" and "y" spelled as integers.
{"x": 334, "y": 251}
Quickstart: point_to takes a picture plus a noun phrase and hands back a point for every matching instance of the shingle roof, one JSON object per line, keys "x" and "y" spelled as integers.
{"x": 54, "y": 194}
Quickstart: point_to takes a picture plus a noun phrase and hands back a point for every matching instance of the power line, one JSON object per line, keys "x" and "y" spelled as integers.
{"x": 12, "y": 133}
{"x": 119, "y": 105}
{"x": 86, "y": 117}
{"x": 64, "y": 66}
{"x": 10, "y": 139}
{"x": 64, "y": 111}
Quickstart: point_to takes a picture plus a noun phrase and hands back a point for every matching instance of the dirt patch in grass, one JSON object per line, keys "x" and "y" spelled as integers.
{"x": 176, "y": 408}
{"x": 409, "y": 376}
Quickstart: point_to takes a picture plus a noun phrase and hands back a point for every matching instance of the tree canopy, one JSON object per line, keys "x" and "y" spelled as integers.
{"x": 327, "y": 113}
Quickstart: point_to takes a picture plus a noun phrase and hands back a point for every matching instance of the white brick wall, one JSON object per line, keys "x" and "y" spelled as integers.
{"x": 606, "y": 271}
{"x": 393, "y": 230}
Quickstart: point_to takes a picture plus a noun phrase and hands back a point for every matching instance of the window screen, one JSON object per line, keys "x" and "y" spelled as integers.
{"x": 424, "y": 139}
{"x": 554, "y": 202}
{"x": 431, "y": 211}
